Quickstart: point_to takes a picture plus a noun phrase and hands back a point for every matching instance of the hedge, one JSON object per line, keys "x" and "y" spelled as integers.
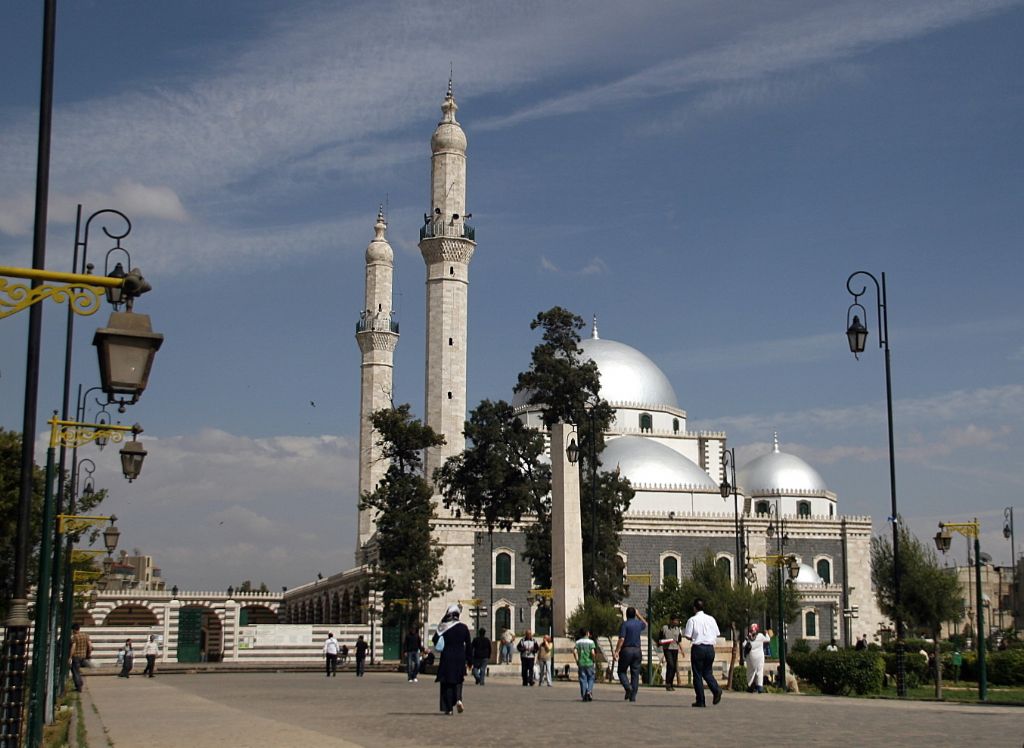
{"x": 840, "y": 673}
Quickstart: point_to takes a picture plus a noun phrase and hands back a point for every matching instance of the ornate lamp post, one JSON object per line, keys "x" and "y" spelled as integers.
{"x": 729, "y": 463}
{"x": 857, "y": 334}
{"x": 943, "y": 540}
{"x": 778, "y": 561}
{"x": 1008, "y": 534}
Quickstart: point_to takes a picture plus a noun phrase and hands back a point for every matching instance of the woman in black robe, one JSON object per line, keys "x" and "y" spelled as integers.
{"x": 455, "y": 644}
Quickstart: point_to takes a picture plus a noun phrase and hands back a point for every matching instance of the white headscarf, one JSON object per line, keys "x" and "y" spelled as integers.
{"x": 451, "y": 618}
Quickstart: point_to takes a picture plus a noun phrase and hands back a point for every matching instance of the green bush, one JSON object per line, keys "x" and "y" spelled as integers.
{"x": 602, "y": 619}
{"x": 1006, "y": 668}
{"x": 914, "y": 665}
{"x": 840, "y": 673}
{"x": 739, "y": 678}
{"x": 800, "y": 646}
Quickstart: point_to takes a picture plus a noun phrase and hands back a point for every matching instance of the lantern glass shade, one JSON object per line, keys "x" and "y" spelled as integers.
{"x": 943, "y": 540}
{"x": 573, "y": 452}
{"x": 115, "y": 295}
{"x": 132, "y": 455}
{"x": 857, "y": 335}
{"x": 110, "y": 538}
{"x": 770, "y": 532}
{"x": 1007, "y": 532}
{"x": 126, "y": 348}
{"x": 725, "y": 489}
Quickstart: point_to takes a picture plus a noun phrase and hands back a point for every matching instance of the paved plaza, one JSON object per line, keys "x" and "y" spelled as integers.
{"x": 382, "y": 709}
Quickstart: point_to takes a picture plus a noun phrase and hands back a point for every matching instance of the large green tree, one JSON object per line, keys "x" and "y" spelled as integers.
{"x": 408, "y": 561}
{"x": 566, "y": 386}
{"x": 499, "y": 476}
{"x": 929, "y": 594}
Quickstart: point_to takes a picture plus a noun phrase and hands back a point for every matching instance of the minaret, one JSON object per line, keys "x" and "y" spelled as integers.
{"x": 447, "y": 244}
{"x": 377, "y": 336}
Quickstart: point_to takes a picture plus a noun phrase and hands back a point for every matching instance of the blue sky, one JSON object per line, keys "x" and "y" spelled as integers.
{"x": 703, "y": 176}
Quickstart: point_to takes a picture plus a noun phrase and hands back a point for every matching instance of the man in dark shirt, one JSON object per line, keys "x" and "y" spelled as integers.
{"x": 361, "y": 647}
{"x": 412, "y": 647}
{"x": 627, "y": 651}
{"x": 481, "y": 656}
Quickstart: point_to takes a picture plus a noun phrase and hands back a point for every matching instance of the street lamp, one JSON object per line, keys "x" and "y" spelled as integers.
{"x": 781, "y": 540}
{"x": 943, "y": 540}
{"x": 857, "y": 335}
{"x": 1008, "y": 534}
{"x": 572, "y": 452}
{"x": 729, "y": 462}
{"x": 132, "y": 455}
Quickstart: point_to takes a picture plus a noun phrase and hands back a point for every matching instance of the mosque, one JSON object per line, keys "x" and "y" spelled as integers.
{"x": 678, "y": 512}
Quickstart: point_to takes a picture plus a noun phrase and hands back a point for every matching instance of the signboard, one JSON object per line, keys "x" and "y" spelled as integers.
{"x": 281, "y": 634}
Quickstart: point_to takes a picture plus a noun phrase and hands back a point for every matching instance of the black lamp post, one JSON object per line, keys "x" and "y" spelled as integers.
{"x": 943, "y": 540}
{"x": 1008, "y": 534}
{"x": 793, "y": 567}
{"x": 857, "y": 335}
{"x": 572, "y": 452}
{"x": 729, "y": 464}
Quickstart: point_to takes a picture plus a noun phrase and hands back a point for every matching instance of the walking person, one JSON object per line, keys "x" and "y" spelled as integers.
{"x": 81, "y": 650}
{"x": 412, "y": 646}
{"x": 331, "y": 655}
{"x": 454, "y": 643}
{"x": 671, "y": 638}
{"x": 528, "y": 649}
{"x": 583, "y": 653}
{"x": 361, "y": 647}
{"x": 628, "y": 653}
{"x": 481, "y": 656}
{"x": 544, "y": 661}
{"x": 151, "y": 650}
{"x": 702, "y": 630}
{"x": 753, "y": 650}
{"x": 126, "y": 659}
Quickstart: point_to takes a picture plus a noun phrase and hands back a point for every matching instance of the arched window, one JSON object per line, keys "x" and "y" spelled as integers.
{"x": 646, "y": 422}
{"x": 762, "y": 507}
{"x": 724, "y": 563}
{"x": 810, "y": 625}
{"x": 503, "y": 620}
{"x": 675, "y": 425}
{"x": 824, "y": 569}
{"x": 669, "y": 567}
{"x": 503, "y": 570}
{"x": 803, "y": 509}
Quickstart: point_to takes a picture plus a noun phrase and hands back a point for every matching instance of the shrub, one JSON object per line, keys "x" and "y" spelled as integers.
{"x": 1006, "y": 668}
{"x": 914, "y": 666}
{"x": 739, "y": 678}
{"x": 603, "y": 619}
{"x": 840, "y": 673}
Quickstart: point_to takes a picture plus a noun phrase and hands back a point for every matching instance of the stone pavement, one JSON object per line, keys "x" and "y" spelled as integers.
{"x": 383, "y": 709}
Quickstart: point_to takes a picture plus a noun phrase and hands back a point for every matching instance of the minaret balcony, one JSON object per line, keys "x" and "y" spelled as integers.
{"x": 375, "y": 323}
{"x": 440, "y": 228}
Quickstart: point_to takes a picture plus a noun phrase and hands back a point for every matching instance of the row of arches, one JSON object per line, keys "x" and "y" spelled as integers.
{"x": 329, "y": 608}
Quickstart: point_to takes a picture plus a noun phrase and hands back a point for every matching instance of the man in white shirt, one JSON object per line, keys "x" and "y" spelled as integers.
{"x": 702, "y": 630}
{"x": 331, "y": 653}
{"x": 151, "y": 650}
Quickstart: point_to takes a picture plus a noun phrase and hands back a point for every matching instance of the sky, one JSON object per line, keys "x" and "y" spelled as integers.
{"x": 703, "y": 176}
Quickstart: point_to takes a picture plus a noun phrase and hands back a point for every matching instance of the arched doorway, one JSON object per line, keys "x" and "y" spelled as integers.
{"x": 253, "y": 614}
{"x": 131, "y": 615}
{"x": 200, "y": 635}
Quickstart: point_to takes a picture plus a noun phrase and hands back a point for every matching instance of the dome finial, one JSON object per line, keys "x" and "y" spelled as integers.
{"x": 451, "y": 75}
{"x": 593, "y": 330}
{"x": 775, "y": 442}
{"x": 381, "y": 226}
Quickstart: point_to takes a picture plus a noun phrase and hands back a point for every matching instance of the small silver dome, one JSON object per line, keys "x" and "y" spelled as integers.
{"x": 378, "y": 250}
{"x": 779, "y": 472}
{"x": 647, "y": 462}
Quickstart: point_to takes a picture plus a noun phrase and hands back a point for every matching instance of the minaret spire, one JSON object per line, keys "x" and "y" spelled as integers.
{"x": 593, "y": 330}
{"x": 377, "y": 336}
{"x": 775, "y": 442}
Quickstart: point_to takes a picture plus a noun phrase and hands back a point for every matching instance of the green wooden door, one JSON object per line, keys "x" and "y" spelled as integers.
{"x": 392, "y": 642}
{"x": 190, "y": 628}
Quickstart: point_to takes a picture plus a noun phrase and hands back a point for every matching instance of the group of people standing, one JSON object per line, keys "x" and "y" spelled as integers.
{"x": 334, "y": 651}
{"x": 126, "y": 658}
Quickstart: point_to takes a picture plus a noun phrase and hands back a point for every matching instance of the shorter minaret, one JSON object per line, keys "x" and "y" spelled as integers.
{"x": 377, "y": 336}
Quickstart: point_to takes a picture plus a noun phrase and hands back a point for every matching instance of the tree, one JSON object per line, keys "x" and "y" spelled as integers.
{"x": 732, "y": 606}
{"x": 567, "y": 388}
{"x": 929, "y": 595}
{"x": 10, "y": 485}
{"x": 499, "y": 477}
{"x": 408, "y": 562}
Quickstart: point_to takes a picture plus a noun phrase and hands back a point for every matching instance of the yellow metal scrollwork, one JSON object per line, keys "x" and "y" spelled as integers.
{"x": 83, "y": 299}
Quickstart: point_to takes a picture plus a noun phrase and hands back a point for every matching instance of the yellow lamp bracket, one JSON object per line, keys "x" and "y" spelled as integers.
{"x": 967, "y": 529}
{"x": 79, "y": 555}
{"x": 640, "y": 578}
{"x": 772, "y": 560}
{"x": 86, "y": 576}
{"x": 77, "y": 522}
{"x": 76, "y": 433}
{"x": 83, "y": 293}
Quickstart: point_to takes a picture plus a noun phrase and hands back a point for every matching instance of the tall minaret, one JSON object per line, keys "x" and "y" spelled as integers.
{"x": 377, "y": 335}
{"x": 447, "y": 244}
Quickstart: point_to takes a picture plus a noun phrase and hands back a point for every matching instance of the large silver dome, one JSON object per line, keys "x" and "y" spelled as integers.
{"x": 628, "y": 377}
{"x": 779, "y": 472}
{"x": 647, "y": 462}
